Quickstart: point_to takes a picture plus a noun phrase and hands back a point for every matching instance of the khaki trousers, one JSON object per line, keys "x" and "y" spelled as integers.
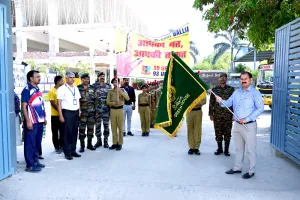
{"x": 153, "y": 115}
{"x": 145, "y": 118}
{"x": 116, "y": 122}
{"x": 244, "y": 137}
{"x": 194, "y": 128}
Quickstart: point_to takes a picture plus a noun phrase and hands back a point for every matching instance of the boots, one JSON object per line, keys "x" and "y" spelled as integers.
{"x": 99, "y": 143}
{"x": 105, "y": 141}
{"x": 82, "y": 145}
{"x": 220, "y": 149}
{"x": 90, "y": 146}
{"x": 227, "y": 149}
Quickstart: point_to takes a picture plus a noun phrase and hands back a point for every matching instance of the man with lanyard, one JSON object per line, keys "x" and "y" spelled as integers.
{"x": 87, "y": 108}
{"x": 55, "y": 123}
{"x": 247, "y": 104}
{"x": 34, "y": 119}
{"x": 102, "y": 110}
{"x": 68, "y": 108}
{"x": 128, "y": 107}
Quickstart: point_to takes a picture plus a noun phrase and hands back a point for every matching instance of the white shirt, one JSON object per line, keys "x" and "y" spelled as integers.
{"x": 70, "y": 97}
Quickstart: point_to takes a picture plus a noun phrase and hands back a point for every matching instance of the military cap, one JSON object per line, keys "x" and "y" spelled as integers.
{"x": 114, "y": 79}
{"x": 100, "y": 74}
{"x": 85, "y": 75}
{"x": 144, "y": 86}
{"x": 223, "y": 75}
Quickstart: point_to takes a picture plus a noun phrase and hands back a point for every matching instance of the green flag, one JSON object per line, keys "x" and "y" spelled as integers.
{"x": 182, "y": 91}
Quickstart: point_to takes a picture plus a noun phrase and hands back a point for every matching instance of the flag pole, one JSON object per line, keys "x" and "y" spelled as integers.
{"x": 230, "y": 110}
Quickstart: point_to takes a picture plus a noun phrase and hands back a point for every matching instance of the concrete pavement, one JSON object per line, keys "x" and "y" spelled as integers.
{"x": 156, "y": 167}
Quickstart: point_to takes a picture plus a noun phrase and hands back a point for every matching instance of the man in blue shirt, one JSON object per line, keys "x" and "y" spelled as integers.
{"x": 35, "y": 117}
{"x": 247, "y": 105}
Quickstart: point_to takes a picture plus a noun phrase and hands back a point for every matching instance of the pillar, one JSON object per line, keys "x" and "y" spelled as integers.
{"x": 53, "y": 22}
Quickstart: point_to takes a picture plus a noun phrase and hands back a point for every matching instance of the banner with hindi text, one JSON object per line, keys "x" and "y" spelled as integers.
{"x": 142, "y": 57}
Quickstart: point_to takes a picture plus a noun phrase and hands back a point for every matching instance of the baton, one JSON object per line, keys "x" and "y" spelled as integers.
{"x": 230, "y": 110}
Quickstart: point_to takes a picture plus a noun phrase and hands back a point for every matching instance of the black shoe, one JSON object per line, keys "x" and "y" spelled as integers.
{"x": 33, "y": 169}
{"x": 197, "y": 152}
{"x": 39, "y": 165}
{"x": 82, "y": 146}
{"x": 124, "y": 134}
{"x": 143, "y": 134}
{"x": 114, "y": 146}
{"x": 76, "y": 155}
{"x": 220, "y": 149}
{"x": 233, "y": 172}
{"x": 226, "y": 152}
{"x": 191, "y": 151}
{"x": 90, "y": 146}
{"x": 105, "y": 143}
{"x": 147, "y": 134}
{"x": 131, "y": 134}
{"x": 99, "y": 143}
{"x": 58, "y": 150}
{"x": 41, "y": 157}
{"x": 247, "y": 175}
{"x": 69, "y": 157}
{"x": 119, "y": 147}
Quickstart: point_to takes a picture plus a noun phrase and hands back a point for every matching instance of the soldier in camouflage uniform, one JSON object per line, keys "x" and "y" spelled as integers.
{"x": 221, "y": 117}
{"x": 87, "y": 108}
{"x": 102, "y": 110}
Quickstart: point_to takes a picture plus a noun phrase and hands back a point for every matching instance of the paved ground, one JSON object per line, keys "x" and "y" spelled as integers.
{"x": 157, "y": 167}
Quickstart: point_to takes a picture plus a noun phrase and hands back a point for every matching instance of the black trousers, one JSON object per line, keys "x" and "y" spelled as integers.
{"x": 56, "y": 132}
{"x": 70, "y": 131}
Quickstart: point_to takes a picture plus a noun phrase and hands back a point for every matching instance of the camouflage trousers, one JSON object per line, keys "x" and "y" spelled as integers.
{"x": 103, "y": 113}
{"x": 86, "y": 120}
{"x": 223, "y": 127}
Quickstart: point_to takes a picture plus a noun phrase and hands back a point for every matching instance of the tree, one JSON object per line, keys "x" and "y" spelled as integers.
{"x": 241, "y": 68}
{"x": 84, "y": 68}
{"x": 60, "y": 69}
{"x": 194, "y": 51}
{"x": 254, "y": 20}
{"x": 223, "y": 63}
{"x": 231, "y": 43}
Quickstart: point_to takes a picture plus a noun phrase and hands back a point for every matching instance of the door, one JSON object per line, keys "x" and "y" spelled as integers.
{"x": 6, "y": 168}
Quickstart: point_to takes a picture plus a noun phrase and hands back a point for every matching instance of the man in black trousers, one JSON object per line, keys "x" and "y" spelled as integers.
{"x": 68, "y": 108}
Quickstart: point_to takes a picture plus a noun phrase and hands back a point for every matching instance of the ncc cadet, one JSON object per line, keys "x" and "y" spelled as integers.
{"x": 221, "y": 117}
{"x": 115, "y": 99}
{"x": 102, "y": 110}
{"x": 194, "y": 128}
{"x": 144, "y": 100}
{"x": 87, "y": 117}
{"x": 153, "y": 104}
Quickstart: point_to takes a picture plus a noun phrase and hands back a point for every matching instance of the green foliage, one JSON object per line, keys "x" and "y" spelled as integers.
{"x": 84, "y": 68}
{"x": 254, "y": 20}
{"x": 223, "y": 63}
{"x": 138, "y": 83}
{"x": 39, "y": 67}
{"x": 254, "y": 74}
{"x": 60, "y": 69}
{"x": 45, "y": 97}
{"x": 241, "y": 68}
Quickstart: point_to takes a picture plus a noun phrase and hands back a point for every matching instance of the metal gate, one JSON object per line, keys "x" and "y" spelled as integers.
{"x": 285, "y": 128}
{"x": 6, "y": 166}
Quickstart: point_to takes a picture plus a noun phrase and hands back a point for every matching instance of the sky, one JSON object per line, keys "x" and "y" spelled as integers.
{"x": 162, "y": 15}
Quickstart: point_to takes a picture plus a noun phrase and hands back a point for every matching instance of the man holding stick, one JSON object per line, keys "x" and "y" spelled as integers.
{"x": 247, "y": 104}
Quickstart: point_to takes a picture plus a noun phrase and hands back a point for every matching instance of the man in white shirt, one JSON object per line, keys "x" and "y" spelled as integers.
{"x": 68, "y": 108}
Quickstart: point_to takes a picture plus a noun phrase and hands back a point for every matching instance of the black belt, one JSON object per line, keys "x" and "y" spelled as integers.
{"x": 128, "y": 103}
{"x": 246, "y": 122}
{"x": 116, "y": 107}
{"x": 144, "y": 105}
{"x": 195, "y": 109}
{"x": 70, "y": 110}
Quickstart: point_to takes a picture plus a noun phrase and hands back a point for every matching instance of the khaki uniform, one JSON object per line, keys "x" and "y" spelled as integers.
{"x": 153, "y": 106}
{"x": 144, "y": 110}
{"x": 194, "y": 125}
{"x": 117, "y": 114}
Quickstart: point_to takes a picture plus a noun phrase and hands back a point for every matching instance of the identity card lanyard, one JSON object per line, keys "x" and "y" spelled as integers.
{"x": 73, "y": 93}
